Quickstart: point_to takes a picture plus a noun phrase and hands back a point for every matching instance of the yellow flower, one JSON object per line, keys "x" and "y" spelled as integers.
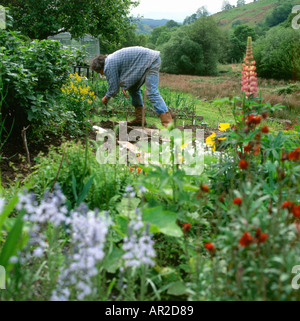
{"x": 184, "y": 145}
{"x": 210, "y": 141}
{"x": 223, "y": 126}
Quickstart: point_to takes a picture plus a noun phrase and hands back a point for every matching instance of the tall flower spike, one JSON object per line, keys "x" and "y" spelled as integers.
{"x": 249, "y": 80}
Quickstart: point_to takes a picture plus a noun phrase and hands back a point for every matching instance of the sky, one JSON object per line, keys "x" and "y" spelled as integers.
{"x": 176, "y": 9}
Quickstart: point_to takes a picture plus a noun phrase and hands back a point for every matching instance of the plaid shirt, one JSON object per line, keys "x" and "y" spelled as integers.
{"x": 126, "y": 68}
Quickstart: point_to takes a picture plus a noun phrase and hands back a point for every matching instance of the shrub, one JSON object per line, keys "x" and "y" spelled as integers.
{"x": 32, "y": 74}
{"x": 276, "y": 54}
{"x": 186, "y": 58}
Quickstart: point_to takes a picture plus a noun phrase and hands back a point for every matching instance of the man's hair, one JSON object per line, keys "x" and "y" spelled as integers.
{"x": 98, "y": 63}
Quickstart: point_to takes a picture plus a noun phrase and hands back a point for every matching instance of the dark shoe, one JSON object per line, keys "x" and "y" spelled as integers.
{"x": 138, "y": 120}
{"x": 166, "y": 118}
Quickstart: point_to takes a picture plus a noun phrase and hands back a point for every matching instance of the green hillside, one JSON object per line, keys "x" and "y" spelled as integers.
{"x": 250, "y": 14}
{"x": 145, "y": 26}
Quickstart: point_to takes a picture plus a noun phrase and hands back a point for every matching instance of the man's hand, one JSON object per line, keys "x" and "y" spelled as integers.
{"x": 125, "y": 94}
{"x": 105, "y": 100}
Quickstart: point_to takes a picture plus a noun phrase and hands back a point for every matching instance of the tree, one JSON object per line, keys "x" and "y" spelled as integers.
{"x": 278, "y": 15}
{"x": 39, "y": 19}
{"x": 172, "y": 24}
{"x": 239, "y": 41}
{"x": 201, "y": 12}
{"x": 277, "y": 54}
{"x": 156, "y": 33}
{"x": 190, "y": 19}
{"x": 205, "y": 32}
{"x": 240, "y": 3}
{"x": 186, "y": 57}
{"x": 226, "y": 5}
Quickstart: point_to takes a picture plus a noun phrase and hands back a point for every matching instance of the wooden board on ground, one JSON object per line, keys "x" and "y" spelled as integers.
{"x": 143, "y": 157}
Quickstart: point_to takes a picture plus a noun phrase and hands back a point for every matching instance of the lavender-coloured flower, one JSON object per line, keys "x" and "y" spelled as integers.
{"x": 89, "y": 232}
{"x": 142, "y": 189}
{"x": 138, "y": 245}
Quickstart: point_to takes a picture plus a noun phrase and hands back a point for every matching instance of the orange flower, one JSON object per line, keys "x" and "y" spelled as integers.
{"x": 204, "y": 188}
{"x": 237, "y": 201}
{"x": 258, "y": 136}
{"x": 294, "y": 155}
{"x": 287, "y": 204}
{"x": 246, "y": 239}
{"x": 257, "y": 120}
{"x": 210, "y": 247}
{"x": 262, "y": 238}
{"x": 247, "y": 148}
{"x": 265, "y": 129}
{"x": 222, "y": 198}
{"x": 256, "y": 149}
{"x": 258, "y": 232}
{"x": 296, "y": 211}
{"x": 131, "y": 169}
{"x": 243, "y": 164}
{"x": 186, "y": 227}
{"x": 139, "y": 170}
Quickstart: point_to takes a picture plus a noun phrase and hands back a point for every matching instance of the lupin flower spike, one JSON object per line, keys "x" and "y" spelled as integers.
{"x": 249, "y": 79}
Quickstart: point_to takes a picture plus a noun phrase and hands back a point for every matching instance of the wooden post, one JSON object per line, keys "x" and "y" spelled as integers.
{"x": 23, "y": 134}
{"x": 143, "y": 111}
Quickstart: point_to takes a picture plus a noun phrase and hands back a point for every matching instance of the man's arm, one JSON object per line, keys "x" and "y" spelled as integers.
{"x": 112, "y": 77}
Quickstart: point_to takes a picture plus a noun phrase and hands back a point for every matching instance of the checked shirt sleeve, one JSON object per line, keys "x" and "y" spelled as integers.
{"x": 112, "y": 77}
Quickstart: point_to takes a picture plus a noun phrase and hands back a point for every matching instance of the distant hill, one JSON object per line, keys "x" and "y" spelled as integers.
{"x": 250, "y": 14}
{"x": 147, "y": 25}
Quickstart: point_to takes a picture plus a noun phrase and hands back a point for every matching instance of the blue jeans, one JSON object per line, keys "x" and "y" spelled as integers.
{"x": 151, "y": 81}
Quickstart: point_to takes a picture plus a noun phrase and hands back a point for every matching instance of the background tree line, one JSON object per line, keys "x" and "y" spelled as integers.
{"x": 197, "y": 45}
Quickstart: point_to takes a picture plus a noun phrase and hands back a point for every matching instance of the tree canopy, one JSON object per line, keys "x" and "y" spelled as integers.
{"x": 39, "y": 19}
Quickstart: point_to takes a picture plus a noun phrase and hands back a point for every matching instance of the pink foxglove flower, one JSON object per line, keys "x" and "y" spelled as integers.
{"x": 249, "y": 80}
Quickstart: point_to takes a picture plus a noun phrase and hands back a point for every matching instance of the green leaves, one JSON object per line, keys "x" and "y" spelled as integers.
{"x": 177, "y": 288}
{"x": 12, "y": 243}
{"x": 162, "y": 221}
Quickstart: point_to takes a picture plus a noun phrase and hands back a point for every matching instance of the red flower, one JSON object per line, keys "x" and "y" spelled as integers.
{"x": 246, "y": 239}
{"x": 284, "y": 156}
{"x": 247, "y": 148}
{"x": 257, "y": 120}
{"x": 256, "y": 149}
{"x": 294, "y": 155}
{"x": 210, "y": 247}
{"x": 258, "y": 136}
{"x": 265, "y": 129}
{"x": 237, "y": 201}
{"x": 296, "y": 211}
{"x": 265, "y": 115}
{"x": 258, "y": 233}
{"x": 243, "y": 164}
{"x": 287, "y": 204}
{"x": 251, "y": 119}
{"x": 204, "y": 188}
{"x": 222, "y": 198}
{"x": 260, "y": 237}
{"x": 131, "y": 169}
{"x": 186, "y": 227}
